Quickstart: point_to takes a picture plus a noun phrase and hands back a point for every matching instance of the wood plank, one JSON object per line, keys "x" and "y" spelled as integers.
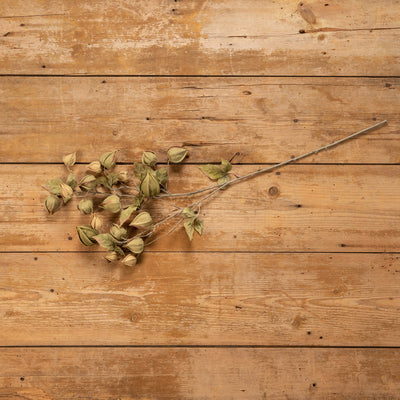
{"x": 265, "y": 119}
{"x": 304, "y": 208}
{"x": 218, "y": 374}
{"x": 200, "y": 37}
{"x": 201, "y": 299}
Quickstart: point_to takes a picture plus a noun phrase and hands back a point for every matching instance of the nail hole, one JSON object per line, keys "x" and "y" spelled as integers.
{"x": 247, "y": 92}
{"x": 298, "y": 205}
{"x": 342, "y": 245}
{"x": 22, "y": 379}
{"x": 43, "y": 66}
{"x": 295, "y": 120}
{"x": 35, "y": 258}
{"x": 148, "y": 118}
{"x": 314, "y": 384}
{"x": 308, "y": 333}
{"x": 386, "y": 84}
{"x": 321, "y": 337}
{"x": 302, "y": 31}
{"x": 374, "y": 119}
{"x": 69, "y": 237}
{"x": 103, "y": 81}
{"x": 21, "y": 24}
{"x": 277, "y": 173}
{"x": 52, "y": 290}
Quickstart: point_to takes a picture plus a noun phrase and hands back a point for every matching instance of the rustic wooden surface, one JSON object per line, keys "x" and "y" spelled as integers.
{"x": 293, "y": 291}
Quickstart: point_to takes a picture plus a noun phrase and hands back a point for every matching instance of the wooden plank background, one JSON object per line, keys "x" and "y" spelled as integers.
{"x": 293, "y": 290}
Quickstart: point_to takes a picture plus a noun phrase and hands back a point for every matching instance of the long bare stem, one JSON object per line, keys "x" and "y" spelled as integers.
{"x": 281, "y": 164}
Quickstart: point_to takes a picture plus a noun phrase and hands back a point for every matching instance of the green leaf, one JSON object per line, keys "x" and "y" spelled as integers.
{"x": 102, "y": 180}
{"x": 54, "y": 185}
{"x": 226, "y": 166}
{"x": 198, "y": 225}
{"x": 212, "y": 171}
{"x": 189, "y": 227}
{"x": 105, "y": 240}
{"x": 119, "y": 251}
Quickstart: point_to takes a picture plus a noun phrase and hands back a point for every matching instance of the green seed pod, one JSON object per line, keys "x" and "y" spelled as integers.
{"x": 96, "y": 222}
{"x": 149, "y": 158}
{"x": 108, "y": 159}
{"x": 111, "y": 203}
{"x": 129, "y": 260}
{"x": 86, "y": 206}
{"x": 88, "y": 182}
{"x": 111, "y": 256}
{"x": 142, "y": 220}
{"x": 149, "y": 185}
{"x": 52, "y": 203}
{"x": 118, "y": 232}
{"x": 136, "y": 245}
{"x": 176, "y": 154}
{"x": 86, "y": 234}
{"x": 69, "y": 160}
{"x": 95, "y": 167}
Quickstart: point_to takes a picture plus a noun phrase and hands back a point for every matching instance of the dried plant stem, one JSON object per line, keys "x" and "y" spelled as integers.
{"x": 281, "y": 164}
{"x": 217, "y": 188}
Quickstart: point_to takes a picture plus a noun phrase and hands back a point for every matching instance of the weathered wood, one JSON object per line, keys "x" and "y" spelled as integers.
{"x": 200, "y": 37}
{"x": 220, "y": 374}
{"x": 265, "y": 119}
{"x": 201, "y": 299}
{"x": 304, "y": 208}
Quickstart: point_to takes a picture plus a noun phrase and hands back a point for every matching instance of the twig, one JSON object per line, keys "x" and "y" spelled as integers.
{"x": 281, "y": 164}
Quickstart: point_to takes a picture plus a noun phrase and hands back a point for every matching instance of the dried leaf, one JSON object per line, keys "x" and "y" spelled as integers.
{"x": 112, "y": 179}
{"x": 162, "y": 175}
{"x": 86, "y": 234}
{"x": 198, "y": 225}
{"x": 226, "y": 166}
{"x": 139, "y": 170}
{"x": 111, "y": 203}
{"x": 71, "y": 180}
{"x": 176, "y": 154}
{"x": 142, "y": 220}
{"x": 223, "y": 180}
{"x": 189, "y": 227}
{"x": 105, "y": 240}
{"x": 188, "y": 213}
{"x": 54, "y": 185}
{"x": 212, "y": 171}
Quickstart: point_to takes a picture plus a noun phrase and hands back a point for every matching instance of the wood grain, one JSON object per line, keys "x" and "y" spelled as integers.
{"x": 200, "y": 37}
{"x": 265, "y": 119}
{"x": 220, "y": 374}
{"x": 304, "y": 208}
{"x": 201, "y": 299}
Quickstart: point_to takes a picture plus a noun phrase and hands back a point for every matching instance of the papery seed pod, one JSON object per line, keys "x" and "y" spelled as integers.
{"x": 111, "y": 256}
{"x": 123, "y": 176}
{"x": 66, "y": 191}
{"x": 86, "y": 234}
{"x": 96, "y": 222}
{"x": 69, "y": 160}
{"x": 142, "y": 220}
{"x": 149, "y": 185}
{"x": 52, "y": 203}
{"x": 108, "y": 159}
{"x": 118, "y": 232}
{"x": 136, "y": 245}
{"x": 88, "y": 182}
{"x": 149, "y": 158}
{"x": 176, "y": 154}
{"x": 129, "y": 260}
{"x": 111, "y": 203}
{"x": 95, "y": 167}
{"x": 86, "y": 206}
